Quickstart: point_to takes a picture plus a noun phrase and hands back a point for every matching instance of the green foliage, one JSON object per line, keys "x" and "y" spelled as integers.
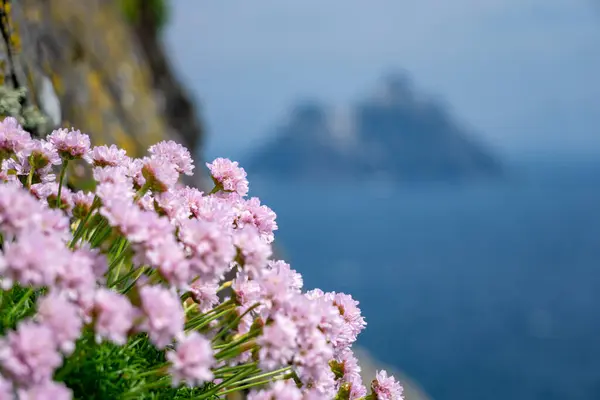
{"x": 159, "y": 8}
{"x": 102, "y": 371}
{"x": 107, "y": 371}
{"x": 15, "y": 304}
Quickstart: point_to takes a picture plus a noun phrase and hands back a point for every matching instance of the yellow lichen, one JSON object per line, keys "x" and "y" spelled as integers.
{"x": 56, "y": 81}
{"x": 13, "y": 37}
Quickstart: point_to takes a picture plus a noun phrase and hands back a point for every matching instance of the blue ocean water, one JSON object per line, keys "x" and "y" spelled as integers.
{"x": 479, "y": 291}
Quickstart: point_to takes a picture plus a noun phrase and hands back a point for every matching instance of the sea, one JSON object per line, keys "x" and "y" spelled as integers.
{"x": 481, "y": 290}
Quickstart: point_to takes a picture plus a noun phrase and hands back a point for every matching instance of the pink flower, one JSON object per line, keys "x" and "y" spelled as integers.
{"x": 386, "y": 387}
{"x": 164, "y": 316}
{"x": 111, "y": 193}
{"x": 324, "y": 384}
{"x": 103, "y": 156}
{"x": 13, "y": 138}
{"x": 210, "y": 248}
{"x": 348, "y": 365}
{"x": 173, "y": 205}
{"x": 6, "y": 389}
{"x": 205, "y": 294}
{"x": 43, "y": 154}
{"x": 313, "y": 356}
{"x": 247, "y": 291}
{"x": 7, "y": 175}
{"x": 114, "y": 316}
{"x": 160, "y": 173}
{"x": 134, "y": 171}
{"x": 279, "y": 390}
{"x": 357, "y": 389}
{"x": 112, "y": 174}
{"x": 127, "y": 218}
{"x": 28, "y": 355}
{"x": 18, "y": 166}
{"x": 175, "y": 154}
{"x": 261, "y": 216}
{"x": 169, "y": 259}
{"x": 228, "y": 176}
{"x": 314, "y": 350}
{"x": 48, "y": 194}
{"x": 77, "y": 278}
{"x": 35, "y": 259}
{"x": 62, "y": 318}
{"x": 47, "y": 390}
{"x": 210, "y": 208}
{"x": 82, "y": 203}
{"x": 192, "y": 360}
{"x": 18, "y": 210}
{"x": 55, "y": 222}
{"x": 98, "y": 260}
{"x": 279, "y": 281}
{"x": 253, "y": 252}
{"x": 71, "y": 144}
{"x": 350, "y": 312}
{"x": 314, "y": 393}
{"x": 277, "y": 343}
{"x": 151, "y": 231}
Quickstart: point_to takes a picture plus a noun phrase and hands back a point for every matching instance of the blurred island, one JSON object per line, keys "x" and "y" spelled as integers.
{"x": 396, "y": 135}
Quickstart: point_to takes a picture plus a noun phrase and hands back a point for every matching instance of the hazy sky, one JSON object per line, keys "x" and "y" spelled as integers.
{"x": 523, "y": 73}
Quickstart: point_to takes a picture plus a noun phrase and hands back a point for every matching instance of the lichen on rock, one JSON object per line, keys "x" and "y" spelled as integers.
{"x": 30, "y": 117}
{"x": 85, "y": 64}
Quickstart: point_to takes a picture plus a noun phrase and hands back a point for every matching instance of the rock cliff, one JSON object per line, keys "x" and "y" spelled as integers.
{"x": 85, "y": 65}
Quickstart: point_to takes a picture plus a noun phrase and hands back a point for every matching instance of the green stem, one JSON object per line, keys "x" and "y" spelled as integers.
{"x": 102, "y": 233}
{"x": 185, "y": 296}
{"x": 125, "y": 277}
{"x": 224, "y": 286}
{"x": 234, "y": 323}
{"x": 115, "y": 276}
{"x": 248, "y": 386}
{"x": 117, "y": 261}
{"x": 132, "y": 284}
{"x": 143, "y": 190}
{"x": 201, "y": 323}
{"x": 63, "y": 171}
{"x": 215, "y": 189}
{"x": 223, "y": 384}
{"x": 265, "y": 375}
{"x": 99, "y": 226}
{"x": 135, "y": 392}
{"x": 231, "y": 347}
{"x": 217, "y": 309}
{"x": 236, "y": 351}
{"x": 30, "y": 177}
{"x": 189, "y": 308}
{"x": 81, "y": 227}
{"x": 153, "y": 371}
{"x": 224, "y": 370}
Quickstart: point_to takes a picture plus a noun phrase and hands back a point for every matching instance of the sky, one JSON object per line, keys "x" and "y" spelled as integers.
{"x": 521, "y": 73}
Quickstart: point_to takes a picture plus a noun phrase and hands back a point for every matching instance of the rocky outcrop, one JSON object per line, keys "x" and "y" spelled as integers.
{"x": 84, "y": 65}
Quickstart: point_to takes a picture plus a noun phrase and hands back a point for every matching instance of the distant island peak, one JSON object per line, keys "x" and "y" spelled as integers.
{"x": 397, "y": 132}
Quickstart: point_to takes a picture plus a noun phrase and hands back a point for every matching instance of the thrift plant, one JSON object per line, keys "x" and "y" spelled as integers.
{"x": 121, "y": 292}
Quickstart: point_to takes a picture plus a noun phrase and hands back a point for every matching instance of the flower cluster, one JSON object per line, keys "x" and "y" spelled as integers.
{"x": 144, "y": 258}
